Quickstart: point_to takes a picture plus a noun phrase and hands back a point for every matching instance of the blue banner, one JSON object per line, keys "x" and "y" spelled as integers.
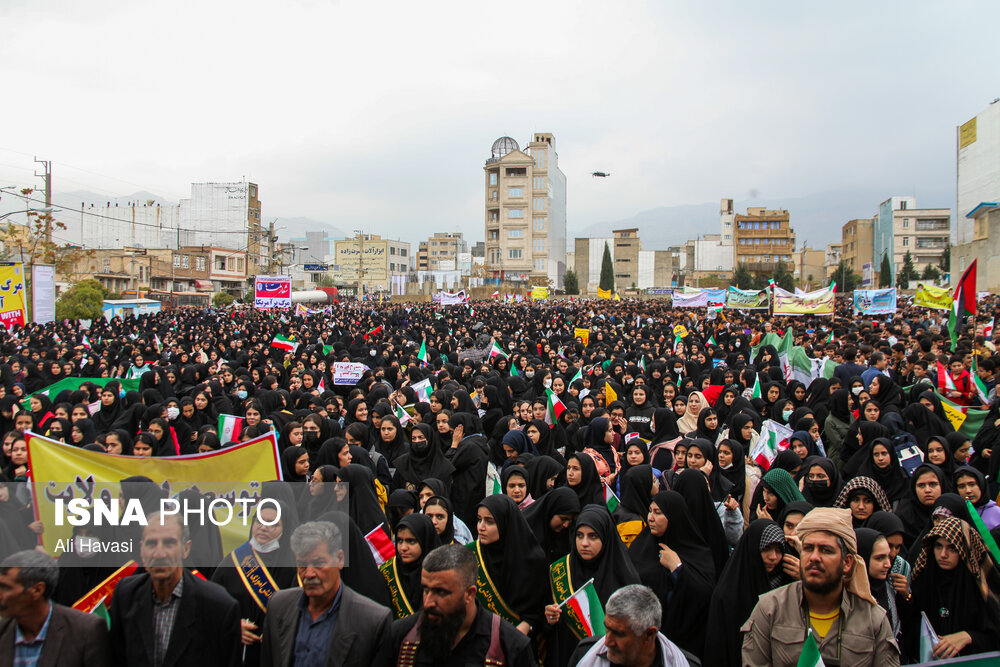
{"x": 875, "y": 301}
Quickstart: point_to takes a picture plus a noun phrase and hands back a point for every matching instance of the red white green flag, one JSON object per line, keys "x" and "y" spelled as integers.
{"x": 400, "y": 413}
{"x": 380, "y": 544}
{"x": 945, "y": 383}
{"x": 984, "y": 395}
{"x": 774, "y": 437}
{"x": 586, "y": 606}
{"x": 374, "y": 331}
{"x": 554, "y": 408}
{"x": 497, "y": 351}
{"x": 230, "y": 427}
{"x": 963, "y": 302}
{"x": 610, "y": 499}
{"x": 422, "y": 355}
{"x": 284, "y": 343}
{"x": 810, "y": 656}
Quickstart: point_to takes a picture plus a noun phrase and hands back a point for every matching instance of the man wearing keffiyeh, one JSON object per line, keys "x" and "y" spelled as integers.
{"x": 832, "y": 601}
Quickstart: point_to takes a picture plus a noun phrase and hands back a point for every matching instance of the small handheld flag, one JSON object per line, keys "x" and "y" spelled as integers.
{"x": 586, "y": 607}
{"x": 610, "y": 499}
{"x": 810, "y": 656}
{"x": 381, "y": 546}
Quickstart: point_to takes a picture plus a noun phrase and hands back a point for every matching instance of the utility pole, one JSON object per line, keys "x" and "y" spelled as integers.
{"x": 361, "y": 261}
{"x": 47, "y": 178}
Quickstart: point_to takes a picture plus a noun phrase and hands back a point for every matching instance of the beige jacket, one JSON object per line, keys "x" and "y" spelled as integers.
{"x": 775, "y": 632}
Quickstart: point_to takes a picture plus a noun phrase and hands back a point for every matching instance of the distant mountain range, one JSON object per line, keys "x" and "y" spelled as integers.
{"x": 817, "y": 219}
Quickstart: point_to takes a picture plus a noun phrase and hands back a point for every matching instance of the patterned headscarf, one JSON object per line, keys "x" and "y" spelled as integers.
{"x": 838, "y": 522}
{"x": 967, "y": 542}
{"x": 868, "y": 485}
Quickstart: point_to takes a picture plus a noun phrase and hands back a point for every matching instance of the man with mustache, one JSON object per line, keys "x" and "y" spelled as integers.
{"x": 167, "y": 617}
{"x": 453, "y": 629}
{"x": 832, "y": 601}
{"x": 324, "y": 623}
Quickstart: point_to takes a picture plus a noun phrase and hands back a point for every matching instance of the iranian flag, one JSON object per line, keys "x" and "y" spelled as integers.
{"x": 283, "y": 343}
{"x": 322, "y": 384}
{"x": 677, "y": 344}
{"x": 400, "y": 413}
{"x": 711, "y": 341}
{"x": 785, "y": 346}
{"x": 380, "y": 544}
{"x": 587, "y": 607}
{"x": 642, "y": 364}
{"x": 554, "y": 408}
{"x": 755, "y": 392}
{"x": 422, "y": 356}
{"x": 830, "y": 338}
{"x": 493, "y": 485}
{"x": 988, "y": 329}
{"x": 230, "y": 427}
{"x": 945, "y": 383}
{"x": 610, "y": 499}
{"x": 977, "y": 381}
{"x": 810, "y": 656}
{"x": 774, "y": 438}
{"x": 423, "y": 389}
{"x": 963, "y": 302}
{"x": 513, "y": 372}
{"x": 578, "y": 376}
{"x": 374, "y": 331}
{"x": 833, "y": 286}
{"x": 159, "y": 344}
{"x": 495, "y": 294}
{"x": 85, "y": 342}
{"x": 805, "y": 369}
{"x": 497, "y": 351}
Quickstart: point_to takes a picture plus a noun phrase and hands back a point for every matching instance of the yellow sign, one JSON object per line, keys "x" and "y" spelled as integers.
{"x": 967, "y": 134}
{"x": 12, "y": 310}
{"x": 603, "y": 293}
{"x": 680, "y": 331}
{"x": 954, "y": 415}
{"x": 60, "y": 471}
{"x": 929, "y": 296}
{"x": 582, "y": 334}
{"x": 819, "y": 302}
{"x": 539, "y": 293}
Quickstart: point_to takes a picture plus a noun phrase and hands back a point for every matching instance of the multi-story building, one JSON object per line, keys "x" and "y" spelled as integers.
{"x": 858, "y": 243}
{"x": 588, "y": 256}
{"x": 984, "y": 247}
{"x": 441, "y": 252}
{"x": 762, "y": 238}
{"x": 834, "y": 253}
{"x": 900, "y": 228}
{"x": 977, "y": 237}
{"x": 810, "y": 267}
{"x": 525, "y": 211}
{"x": 372, "y": 263}
{"x": 626, "y": 258}
{"x": 656, "y": 268}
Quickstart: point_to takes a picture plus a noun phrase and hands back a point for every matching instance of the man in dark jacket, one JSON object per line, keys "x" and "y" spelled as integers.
{"x": 167, "y": 617}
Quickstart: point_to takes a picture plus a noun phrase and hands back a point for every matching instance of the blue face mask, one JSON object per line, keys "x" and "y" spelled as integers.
{"x": 121, "y": 393}
{"x": 241, "y": 394}
{"x": 785, "y": 414}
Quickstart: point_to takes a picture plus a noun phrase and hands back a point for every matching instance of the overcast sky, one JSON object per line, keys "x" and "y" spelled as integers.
{"x": 381, "y": 114}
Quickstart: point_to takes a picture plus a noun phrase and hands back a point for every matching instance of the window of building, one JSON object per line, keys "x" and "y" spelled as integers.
{"x": 141, "y": 273}
{"x": 515, "y": 233}
{"x": 515, "y": 213}
{"x": 538, "y": 203}
{"x": 906, "y": 241}
{"x": 185, "y": 261}
{"x": 230, "y": 264}
{"x": 538, "y": 224}
{"x": 906, "y": 223}
{"x": 493, "y": 178}
{"x": 402, "y": 252}
{"x": 514, "y": 253}
{"x": 539, "y": 155}
{"x": 539, "y": 245}
{"x": 494, "y": 235}
{"x": 538, "y": 183}
{"x": 177, "y": 261}
{"x": 539, "y": 265}
{"x": 392, "y": 250}
{"x": 220, "y": 263}
{"x": 515, "y": 192}
{"x": 902, "y": 206}
{"x": 239, "y": 263}
{"x": 106, "y": 266}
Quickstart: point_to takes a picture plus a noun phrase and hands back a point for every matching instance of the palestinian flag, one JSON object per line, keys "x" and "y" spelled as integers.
{"x": 610, "y": 499}
{"x": 230, "y": 427}
{"x": 945, "y": 383}
{"x": 283, "y": 343}
{"x": 422, "y": 356}
{"x": 497, "y": 351}
{"x": 381, "y": 546}
{"x": 586, "y": 606}
{"x": 400, "y": 413}
{"x": 554, "y": 408}
{"x": 374, "y": 331}
{"x": 977, "y": 381}
{"x": 963, "y": 302}
{"x": 810, "y": 656}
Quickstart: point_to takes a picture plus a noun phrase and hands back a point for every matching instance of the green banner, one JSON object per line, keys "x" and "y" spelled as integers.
{"x": 73, "y": 384}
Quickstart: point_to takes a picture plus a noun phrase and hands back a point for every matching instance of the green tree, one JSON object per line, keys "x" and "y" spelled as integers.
{"x": 607, "y": 270}
{"x": 222, "y": 299}
{"x": 907, "y": 273}
{"x": 783, "y": 277}
{"x": 570, "y": 282}
{"x": 82, "y": 301}
{"x": 742, "y": 278}
{"x": 930, "y": 273}
{"x": 885, "y": 272}
{"x": 945, "y": 263}
{"x": 847, "y": 280}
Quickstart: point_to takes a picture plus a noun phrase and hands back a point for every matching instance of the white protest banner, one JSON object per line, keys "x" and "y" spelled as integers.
{"x": 347, "y": 373}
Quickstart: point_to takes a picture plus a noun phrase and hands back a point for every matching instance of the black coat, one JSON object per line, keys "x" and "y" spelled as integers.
{"x": 206, "y": 631}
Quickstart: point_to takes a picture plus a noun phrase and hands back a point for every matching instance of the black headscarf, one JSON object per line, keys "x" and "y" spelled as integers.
{"x": 819, "y": 495}
{"x": 539, "y": 515}
{"x": 736, "y": 473}
{"x": 540, "y": 470}
{"x": 692, "y": 487}
{"x": 515, "y": 562}
{"x": 409, "y": 573}
{"x": 892, "y": 478}
{"x": 423, "y": 460}
{"x": 590, "y": 490}
{"x": 636, "y": 494}
{"x": 611, "y": 569}
{"x": 720, "y": 486}
{"x": 363, "y": 506}
{"x": 914, "y": 515}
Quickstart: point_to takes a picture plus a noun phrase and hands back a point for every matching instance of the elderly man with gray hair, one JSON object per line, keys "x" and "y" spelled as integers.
{"x": 324, "y": 623}
{"x": 632, "y": 635}
{"x": 37, "y": 631}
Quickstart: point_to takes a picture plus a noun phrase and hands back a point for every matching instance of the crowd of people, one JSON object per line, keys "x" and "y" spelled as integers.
{"x": 625, "y": 457}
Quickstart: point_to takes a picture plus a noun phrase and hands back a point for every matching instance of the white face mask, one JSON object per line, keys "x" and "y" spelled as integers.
{"x": 173, "y": 413}
{"x": 85, "y": 546}
{"x": 264, "y": 548}
{"x": 547, "y": 384}
{"x": 856, "y": 390}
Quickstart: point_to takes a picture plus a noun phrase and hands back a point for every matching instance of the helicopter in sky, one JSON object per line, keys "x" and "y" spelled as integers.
{"x": 600, "y": 174}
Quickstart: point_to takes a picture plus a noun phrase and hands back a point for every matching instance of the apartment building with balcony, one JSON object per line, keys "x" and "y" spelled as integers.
{"x": 762, "y": 238}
